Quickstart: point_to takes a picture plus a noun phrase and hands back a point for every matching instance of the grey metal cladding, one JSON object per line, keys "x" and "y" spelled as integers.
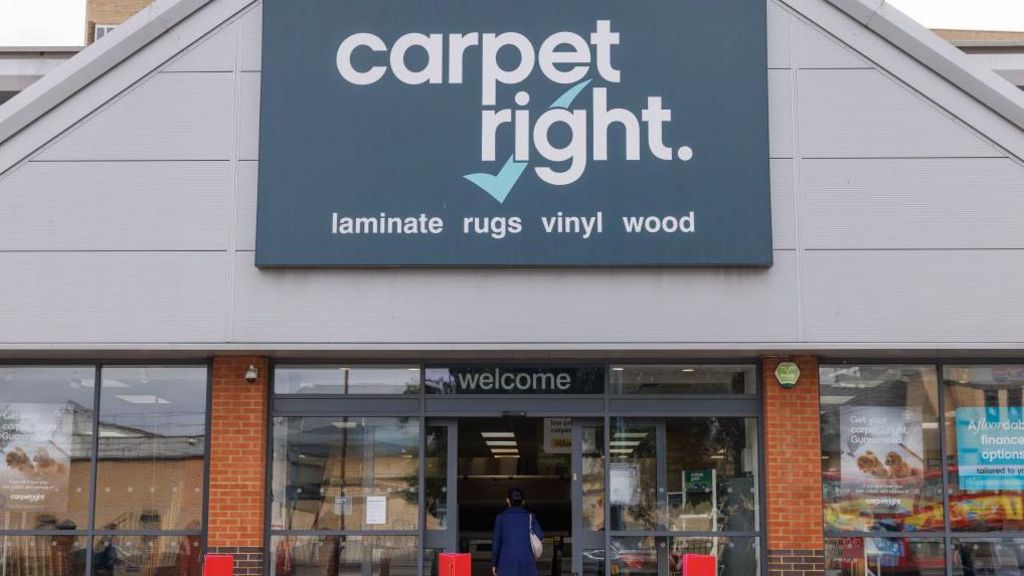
{"x": 892, "y": 209}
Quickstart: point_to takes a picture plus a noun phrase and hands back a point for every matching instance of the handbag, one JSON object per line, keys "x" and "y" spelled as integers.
{"x": 535, "y": 543}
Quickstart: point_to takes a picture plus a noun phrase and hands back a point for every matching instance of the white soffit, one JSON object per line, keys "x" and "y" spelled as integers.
{"x": 163, "y": 29}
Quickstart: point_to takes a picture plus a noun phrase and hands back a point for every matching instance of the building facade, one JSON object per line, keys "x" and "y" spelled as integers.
{"x": 853, "y": 408}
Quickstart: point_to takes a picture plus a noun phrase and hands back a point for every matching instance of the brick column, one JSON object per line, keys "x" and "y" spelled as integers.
{"x": 238, "y": 431}
{"x": 793, "y": 475}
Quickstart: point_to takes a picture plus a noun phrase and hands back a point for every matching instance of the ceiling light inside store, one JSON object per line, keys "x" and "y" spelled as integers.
{"x": 625, "y": 443}
{"x": 500, "y": 456}
{"x": 498, "y": 434}
{"x": 505, "y": 450}
{"x": 631, "y": 434}
{"x": 500, "y": 442}
{"x": 345, "y": 425}
{"x": 620, "y": 451}
{"x": 718, "y": 457}
{"x": 689, "y": 370}
{"x": 142, "y": 399}
{"x": 617, "y": 368}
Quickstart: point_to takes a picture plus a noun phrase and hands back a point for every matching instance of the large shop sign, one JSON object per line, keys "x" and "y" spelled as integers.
{"x": 525, "y": 133}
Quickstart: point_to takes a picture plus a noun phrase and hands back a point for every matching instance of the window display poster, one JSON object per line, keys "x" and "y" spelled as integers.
{"x": 622, "y": 478}
{"x": 558, "y": 435}
{"x": 990, "y": 448}
{"x": 36, "y": 443}
{"x": 882, "y": 455}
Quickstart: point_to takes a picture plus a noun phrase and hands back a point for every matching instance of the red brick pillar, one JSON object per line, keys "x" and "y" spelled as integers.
{"x": 238, "y": 431}
{"x": 793, "y": 475}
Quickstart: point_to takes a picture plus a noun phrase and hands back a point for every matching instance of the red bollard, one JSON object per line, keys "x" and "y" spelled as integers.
{"x": 454, "y": 565}
{"x": 699, "y": 565}
{"x": 219, "y": 565}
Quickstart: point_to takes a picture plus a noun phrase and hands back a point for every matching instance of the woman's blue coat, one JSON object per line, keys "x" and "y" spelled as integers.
{"x": 512, "y": 554}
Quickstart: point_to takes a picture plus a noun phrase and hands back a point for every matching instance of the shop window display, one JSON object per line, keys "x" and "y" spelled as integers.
{"x": 985, "y": 434}
{"x": 859, "y": 556}
{"x": 963, "y": 518}
{"x": 149, "y": 456}
{"x": 343, "y": 473}
{"x": 881, "y": 459}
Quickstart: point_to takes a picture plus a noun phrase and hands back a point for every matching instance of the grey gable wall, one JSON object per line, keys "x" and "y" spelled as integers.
{"x": 895, "y": 224}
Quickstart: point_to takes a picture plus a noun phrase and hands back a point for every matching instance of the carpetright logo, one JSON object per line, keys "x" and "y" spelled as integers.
{"x": 579, "y": 62}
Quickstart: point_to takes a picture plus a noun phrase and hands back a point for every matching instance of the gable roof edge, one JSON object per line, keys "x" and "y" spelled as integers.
{"x": 91, "y": 63}
{"x": 943, "y": 58}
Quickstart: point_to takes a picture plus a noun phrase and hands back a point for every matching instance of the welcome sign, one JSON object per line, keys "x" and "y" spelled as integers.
{"x": 525, "y": 133}
{"x": 501, "y": 380}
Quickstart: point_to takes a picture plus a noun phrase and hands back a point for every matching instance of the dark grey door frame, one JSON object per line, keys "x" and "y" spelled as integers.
{"x": 582, "y": 537}
{"x": 448, "y": 538}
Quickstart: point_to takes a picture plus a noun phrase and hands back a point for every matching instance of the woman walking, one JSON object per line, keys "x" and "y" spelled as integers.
{"x": 512, "y": 552}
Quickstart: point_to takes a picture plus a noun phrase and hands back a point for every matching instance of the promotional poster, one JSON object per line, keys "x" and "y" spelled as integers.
{"x": 990, "y": 448}
{"x": 36, "y": 444}
{"x": 882, "y": 457}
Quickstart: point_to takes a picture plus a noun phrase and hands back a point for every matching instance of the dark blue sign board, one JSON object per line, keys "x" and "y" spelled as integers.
{"x": 500, "y": 380}
{"x": 514, "y": 133}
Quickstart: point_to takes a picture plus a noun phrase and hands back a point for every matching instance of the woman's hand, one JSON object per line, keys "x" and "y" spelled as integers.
{"x": 494, "y": 571}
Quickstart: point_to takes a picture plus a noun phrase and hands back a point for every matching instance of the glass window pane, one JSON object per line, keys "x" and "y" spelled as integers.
{"x": 346, "y": 473}
{"x": 117, "y": 555}
{"x": 633, "y": 474}
{"x": 347, "y": 380}
{"x": 435, "y": 467}
{"x": 985, "y": 439}
{"x": 152, "y": 445}
{"x": 46, "y": 421}
{"x": 344, "y": 555}
{"x": 683, "y": 379}
{"x": 43, "y": 555}
{"x": 881, "y": 463}
{"x": 884, "y": 557}
{"x": 988, "y": 556}
{"x": 711, "y": 474}
{"x": 592, "y": 478}
{"x": 650, "y": 555}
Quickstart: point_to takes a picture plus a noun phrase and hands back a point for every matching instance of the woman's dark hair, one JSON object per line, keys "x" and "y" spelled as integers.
{"x": 516, "y": 497}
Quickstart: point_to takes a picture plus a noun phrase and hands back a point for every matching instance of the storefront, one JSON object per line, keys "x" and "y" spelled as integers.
{"x": 668, "y": 453}
{"x": 312, "y": 285}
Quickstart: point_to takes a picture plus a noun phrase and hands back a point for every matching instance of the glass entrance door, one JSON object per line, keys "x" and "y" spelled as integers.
{"x": 588, "y": 500}
{"x": 559, "y": 462}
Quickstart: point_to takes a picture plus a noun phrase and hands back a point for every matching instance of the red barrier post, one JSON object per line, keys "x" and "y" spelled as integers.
{"x": 454, "y": 565}
{"x": 699, "y": 565}
{"x": 219, "y": 565}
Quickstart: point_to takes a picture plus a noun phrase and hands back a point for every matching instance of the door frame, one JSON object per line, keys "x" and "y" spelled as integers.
{"x": 582, "y": 538}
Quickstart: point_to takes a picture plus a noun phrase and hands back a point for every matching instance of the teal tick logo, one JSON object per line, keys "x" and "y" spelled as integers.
{"x": 500, "y": 185}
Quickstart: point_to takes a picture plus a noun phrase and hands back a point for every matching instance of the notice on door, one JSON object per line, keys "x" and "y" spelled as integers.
{"x": 558, "y": 435}
{"x": 622, "y": 478}
{"x": 36, "y": 444}
{"x": 376, "y": 510}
